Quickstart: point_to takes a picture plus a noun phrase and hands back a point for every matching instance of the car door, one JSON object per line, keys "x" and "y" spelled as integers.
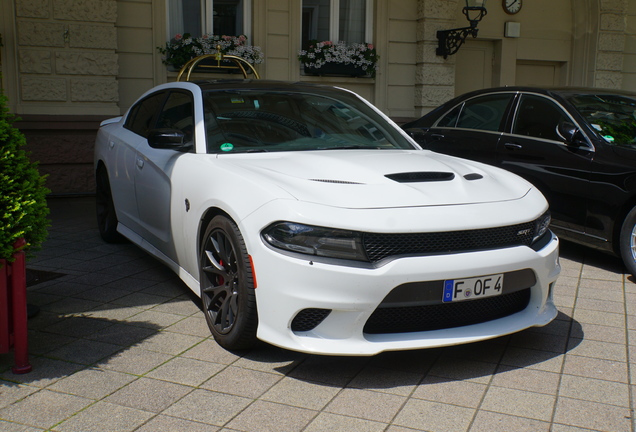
{"x": 153, "y": 184}
{"x": 471, "y": 129}
{"x": 535, "y": 150}
{"x": 124, "y": 146}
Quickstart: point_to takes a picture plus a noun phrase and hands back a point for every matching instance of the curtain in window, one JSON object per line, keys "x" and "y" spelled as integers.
{"x": 184, "y": 16}
{"x": 352, "y": 21}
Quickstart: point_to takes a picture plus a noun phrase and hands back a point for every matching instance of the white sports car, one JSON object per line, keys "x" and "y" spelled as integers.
{"x": 304, "y": 217}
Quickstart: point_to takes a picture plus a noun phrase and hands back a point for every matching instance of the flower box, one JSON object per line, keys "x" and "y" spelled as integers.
{"x": 182, "y": 48}
{"x": 328, "y": 58}
{"x": 336, "y": 69}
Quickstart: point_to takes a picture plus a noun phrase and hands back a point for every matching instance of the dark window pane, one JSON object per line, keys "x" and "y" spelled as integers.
{"x": 450, "y": 119}
{"x": 538, "y": 117}
{"x": 140, "y": 119}
{"x": 178, "y": 113}
{"x": 315, "y": 21}
{"x": 484, "y": 113}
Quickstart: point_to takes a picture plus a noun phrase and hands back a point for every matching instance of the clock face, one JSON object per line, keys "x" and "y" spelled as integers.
{"x": 511, "y": 6}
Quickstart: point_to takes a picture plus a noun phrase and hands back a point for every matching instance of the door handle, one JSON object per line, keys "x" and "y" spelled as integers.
{"x": 140, "y": 163}
{"x": 513, "y": 146}
{"x": 437, "y": 136}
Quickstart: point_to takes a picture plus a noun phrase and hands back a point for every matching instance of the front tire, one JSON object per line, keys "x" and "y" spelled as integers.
{"x": 628, "y": 242}
{"x": 227, "y": 285}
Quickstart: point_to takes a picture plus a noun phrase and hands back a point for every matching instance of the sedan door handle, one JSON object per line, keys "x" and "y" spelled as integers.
{"x": 140, "y": 163}
{"x": 437, "y": 136}
{"x": 512, "y": 146}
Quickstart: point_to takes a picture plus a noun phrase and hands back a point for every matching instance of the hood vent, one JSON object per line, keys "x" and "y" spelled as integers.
{"x": 473, "y": 176}
{"x": 417, "y": 177}
{"x": 335, "y": 181}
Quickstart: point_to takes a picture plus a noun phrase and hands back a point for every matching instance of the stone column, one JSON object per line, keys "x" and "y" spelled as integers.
{"x": 435, "y": 77}
{"x": 611, "y": 44}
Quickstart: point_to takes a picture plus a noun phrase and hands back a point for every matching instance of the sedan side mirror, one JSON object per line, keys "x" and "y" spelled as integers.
{"x": 170, "y": 139}
{"x": 571, "y": 134}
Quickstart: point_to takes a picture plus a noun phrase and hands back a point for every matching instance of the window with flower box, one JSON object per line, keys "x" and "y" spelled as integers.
{"x": 200, "y": 17}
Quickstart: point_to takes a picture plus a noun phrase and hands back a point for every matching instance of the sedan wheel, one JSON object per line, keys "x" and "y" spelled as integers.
{"x": 628, "y": 242}
{"x": 227, "y": 285}
{"x": 106, "y": 215}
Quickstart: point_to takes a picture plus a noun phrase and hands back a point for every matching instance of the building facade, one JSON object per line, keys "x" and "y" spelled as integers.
{"x": 68, "y": 64}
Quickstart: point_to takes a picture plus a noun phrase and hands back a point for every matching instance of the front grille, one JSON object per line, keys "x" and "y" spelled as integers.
{"x": 445, "y": 315}
{"x": 380, "y": 246}
{"x": 308, "y": 319}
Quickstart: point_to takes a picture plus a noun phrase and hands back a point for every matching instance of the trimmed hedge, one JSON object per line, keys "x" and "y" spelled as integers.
{"x": 23, "y": 208}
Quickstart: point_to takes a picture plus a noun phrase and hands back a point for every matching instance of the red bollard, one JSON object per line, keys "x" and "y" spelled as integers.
{"x": 13, "y": 309}
{"x": 19, "y": 307}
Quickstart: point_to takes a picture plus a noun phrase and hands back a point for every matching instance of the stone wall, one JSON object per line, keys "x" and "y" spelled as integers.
{"x": 67, "y": 67}
{"x": 66, "y": 55}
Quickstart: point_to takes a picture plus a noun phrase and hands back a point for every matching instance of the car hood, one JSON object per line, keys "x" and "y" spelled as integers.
{"x": 380, "y": 178}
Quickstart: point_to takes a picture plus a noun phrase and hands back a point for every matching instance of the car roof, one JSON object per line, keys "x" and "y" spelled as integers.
{"x": 259, "y": 84}
{"x": 552, "y": 90}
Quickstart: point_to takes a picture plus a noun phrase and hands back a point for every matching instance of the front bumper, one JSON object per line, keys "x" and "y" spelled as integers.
{"x": 288, "y": 285}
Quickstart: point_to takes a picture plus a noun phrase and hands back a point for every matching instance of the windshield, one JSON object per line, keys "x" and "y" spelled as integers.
{"x": 263, "y": 120}
{"x": 613, "y": 116}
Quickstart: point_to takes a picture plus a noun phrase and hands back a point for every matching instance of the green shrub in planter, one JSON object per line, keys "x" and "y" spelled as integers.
{"x": 23, "y": 208}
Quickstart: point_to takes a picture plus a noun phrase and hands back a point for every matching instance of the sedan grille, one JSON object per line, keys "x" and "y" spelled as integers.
{"x": 381, "y": 246}
{"x": 445, "y": 315}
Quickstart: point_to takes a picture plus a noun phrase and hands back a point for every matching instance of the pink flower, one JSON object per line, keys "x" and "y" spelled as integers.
{"x": 328, "y": 43}
{"x": 178, "y": 36}
{"x": 224, "y": 37}
{"x": 370, "y": 46}
{"x": 204, "y": 36}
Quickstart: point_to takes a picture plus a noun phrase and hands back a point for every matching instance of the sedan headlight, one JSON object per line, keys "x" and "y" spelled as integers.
{"x": 314, "y": 240}
{"x": 541, "y": 226}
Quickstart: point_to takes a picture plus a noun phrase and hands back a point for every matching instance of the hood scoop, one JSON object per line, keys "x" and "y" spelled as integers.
{"x": 420, "y": 177}
{"x": 473, "y": 176}
{"x": 336, "y": 181}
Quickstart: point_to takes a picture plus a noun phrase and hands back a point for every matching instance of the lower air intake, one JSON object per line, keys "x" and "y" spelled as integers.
{"x": 445, "y": 315}
{"x": 308, "y": 319}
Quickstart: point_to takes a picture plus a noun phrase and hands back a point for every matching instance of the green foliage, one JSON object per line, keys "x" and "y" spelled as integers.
{"x": 23, "y": 208}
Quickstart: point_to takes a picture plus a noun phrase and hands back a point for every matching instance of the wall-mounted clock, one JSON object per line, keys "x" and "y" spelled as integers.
{"x": 511, "y": 6}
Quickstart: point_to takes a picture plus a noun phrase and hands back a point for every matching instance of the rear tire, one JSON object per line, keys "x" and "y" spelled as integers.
{"x": 105, "y": 209}
{"x": 628, "y": 242}
{"x": 227, "y": 286}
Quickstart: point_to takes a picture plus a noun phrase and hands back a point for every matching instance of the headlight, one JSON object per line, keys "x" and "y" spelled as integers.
{"x": 541, "y": 226}
{"x": 317, "y": 241}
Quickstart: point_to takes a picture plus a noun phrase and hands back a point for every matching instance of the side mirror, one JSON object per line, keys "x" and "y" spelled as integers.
{"x": 571, "y": 134}
{"x": 171, "y": 139}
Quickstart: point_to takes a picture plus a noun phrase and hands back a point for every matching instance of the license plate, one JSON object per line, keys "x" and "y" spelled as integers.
{"x": 472, "y": 288}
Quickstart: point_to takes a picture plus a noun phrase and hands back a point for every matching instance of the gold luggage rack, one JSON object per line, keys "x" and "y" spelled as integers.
{"x": 240, "y": 63}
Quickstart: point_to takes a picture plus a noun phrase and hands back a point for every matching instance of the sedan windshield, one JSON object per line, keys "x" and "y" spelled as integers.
{"x": 613, "y": 116}
{"x": 264, "y": 120}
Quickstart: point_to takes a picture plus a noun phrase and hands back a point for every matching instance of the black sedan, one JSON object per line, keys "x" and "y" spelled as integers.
{"x": 577, "y": 145}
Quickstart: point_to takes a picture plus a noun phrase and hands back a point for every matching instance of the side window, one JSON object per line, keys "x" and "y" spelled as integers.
{"x": 485, "y": 112}
{"x": 450, "y": 119}
{"x": 141, "y": 116}
{"x": 178, "y": 113}
{"x": 538, "y": 117}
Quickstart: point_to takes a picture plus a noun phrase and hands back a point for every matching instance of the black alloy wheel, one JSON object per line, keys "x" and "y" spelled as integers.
{"x": 227, "y": 285}
{"x": 105, "y": 209}
{"x": 628, "y": 242}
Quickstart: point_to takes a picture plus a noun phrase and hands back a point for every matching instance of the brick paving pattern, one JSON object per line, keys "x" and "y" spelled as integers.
{"x": 120, "y": 344}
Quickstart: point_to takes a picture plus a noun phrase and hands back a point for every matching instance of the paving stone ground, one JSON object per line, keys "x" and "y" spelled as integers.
{"x": 120, "y": 344}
